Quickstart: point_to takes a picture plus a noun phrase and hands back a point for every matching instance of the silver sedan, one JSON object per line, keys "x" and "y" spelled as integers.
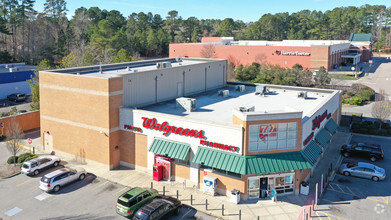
{"x": 364, "y": 170}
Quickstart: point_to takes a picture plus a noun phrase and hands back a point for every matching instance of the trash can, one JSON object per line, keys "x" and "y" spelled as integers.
{"x": 235, "y": 196}
{"x": 304, "y": 188}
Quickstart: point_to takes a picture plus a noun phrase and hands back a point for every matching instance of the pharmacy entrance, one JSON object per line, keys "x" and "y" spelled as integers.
{"x": 261, "y": 186}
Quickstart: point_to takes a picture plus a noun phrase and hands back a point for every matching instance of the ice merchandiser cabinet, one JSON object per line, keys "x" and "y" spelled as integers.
{"x": 157, "y": 171}
{"x": 210, "y": 185}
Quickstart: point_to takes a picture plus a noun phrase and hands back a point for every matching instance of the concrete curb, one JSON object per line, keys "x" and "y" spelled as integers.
{"x": 7, "y": 177}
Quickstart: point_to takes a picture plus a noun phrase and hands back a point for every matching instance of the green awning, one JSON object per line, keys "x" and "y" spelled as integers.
{"x": 312, "y": 152}
{"x": 277, "y": 162}
{"x": 170, "y": 149}
{"x": 323, "y": 137}
{"x": 331, "y": 126}
{"x": 220, "y": 160}
{"x": 254, "y": 164}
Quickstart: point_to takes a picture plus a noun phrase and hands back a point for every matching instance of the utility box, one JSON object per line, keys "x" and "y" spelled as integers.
{"x": 157, "y": 171}
{"x": 304, "y": 188}
{"x": 235, "y": 196}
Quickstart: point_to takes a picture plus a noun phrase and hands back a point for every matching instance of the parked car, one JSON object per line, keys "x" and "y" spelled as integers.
{"x": 365, "y": 170}
{"x": 129, "y": 202}
{"x": 55, "y": 180}
{"x": 158, "y": 208}
{"x": 373, "y": 152}
{"x": 36, "y": 165}
{"x": 21, "y": 112}
{"x": 17, "y": 97}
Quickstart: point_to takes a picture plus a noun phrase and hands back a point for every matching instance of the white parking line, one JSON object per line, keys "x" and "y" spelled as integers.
{"x": 13, "y": 211}
{"x": 43, "y": 196}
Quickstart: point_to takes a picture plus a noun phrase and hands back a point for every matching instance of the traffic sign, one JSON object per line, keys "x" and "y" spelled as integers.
{"x": 370, "y": 61}
{"x": 29, "y": 140}
{"x": 1, "y": 125}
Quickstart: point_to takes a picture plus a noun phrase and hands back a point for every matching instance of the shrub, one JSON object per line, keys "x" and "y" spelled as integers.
{"x": 2, "y": 137}
{"x": 386, "y": 126}
{"x": 367, "y": 94}
{"x": 11, "y": 159}
{"x": 355, "y": 100}
{"x": 25, "y": 157}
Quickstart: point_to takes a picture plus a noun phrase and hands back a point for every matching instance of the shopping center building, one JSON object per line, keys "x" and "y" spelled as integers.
{"x": 180, "y": 120}
{"x": 311, "y": 54}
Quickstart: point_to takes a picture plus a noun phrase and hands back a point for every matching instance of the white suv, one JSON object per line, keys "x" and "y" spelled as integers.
{"x": 34, "y": 166}
{"x": 55, "y": 180}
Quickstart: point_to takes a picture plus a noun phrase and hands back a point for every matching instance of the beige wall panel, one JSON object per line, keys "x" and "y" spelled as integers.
{"x": 180, "y": 171}
{"x": 74, "y": 81}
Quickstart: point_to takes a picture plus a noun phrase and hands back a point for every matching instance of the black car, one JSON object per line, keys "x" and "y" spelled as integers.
{"x": 17, "y": 97}
{"x": 158, "y": 208}
{"x": 372, "y": 151}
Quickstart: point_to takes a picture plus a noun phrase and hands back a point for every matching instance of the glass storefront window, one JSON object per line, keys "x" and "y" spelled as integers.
{"x": 282, "y": 183}
{"x": 274, "y": 136}
{"x": 253, "y": 184}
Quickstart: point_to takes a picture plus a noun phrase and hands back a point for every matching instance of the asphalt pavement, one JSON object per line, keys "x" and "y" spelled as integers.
{"x": 354, "y": 198}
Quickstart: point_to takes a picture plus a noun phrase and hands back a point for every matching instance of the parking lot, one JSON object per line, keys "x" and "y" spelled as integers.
{"x": 356, "y": 198}
{"x": 91, "y": 198}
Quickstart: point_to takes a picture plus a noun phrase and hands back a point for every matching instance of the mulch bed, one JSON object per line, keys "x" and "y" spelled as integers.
{"x": 7, "y": 170}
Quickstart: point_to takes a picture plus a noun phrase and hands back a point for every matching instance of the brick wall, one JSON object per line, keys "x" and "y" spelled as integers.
{"x": 26, "y": 121}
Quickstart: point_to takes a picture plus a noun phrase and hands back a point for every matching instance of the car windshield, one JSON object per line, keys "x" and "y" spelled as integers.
{"x": 26, "y": 166}
{"x": 72, "y": 170}
{"x": 377, "y": 169}
{"x": 141, "y": 215}
{"x": 352, "y": 164}
{"x": 123, "y": 203}
{"x": 44, "y": 179}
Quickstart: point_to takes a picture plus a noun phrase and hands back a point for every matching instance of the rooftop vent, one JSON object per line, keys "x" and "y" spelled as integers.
{"x": 302, "y": 94}
{"x": 161, "y": 65}
{"x": 240, "y": 88}
{"x": 127, "y": 68}
{"x": 247, "y": 108}
{"x": 188, "y": 104}
{"x": 261, "y": 90}
{"x": 15, "y": 69}
{"x": 223, "y": 93}
{"x": 9, "y": 65}
{"x": 178, "y": 59}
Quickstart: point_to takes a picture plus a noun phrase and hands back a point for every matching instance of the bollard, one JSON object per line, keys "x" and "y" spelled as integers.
{"x": 164, "y": 190}
{"x": 206, "y": 204}
{"x": 177, "y": 194}
{"x": 313, "y": 208}
{"x": 222, "y": 209}
{"x": 151, "y": 185}
{"x": 310, "y": 212}
{"x": 191, "y": 199}
{"x": 33, "y": 150}
{"x": 240, "y": 214}
{"x": 258, "y": 218}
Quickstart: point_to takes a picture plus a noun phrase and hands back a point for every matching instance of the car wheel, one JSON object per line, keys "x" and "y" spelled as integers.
{"x": 82, "y": 176}
{"x": 55, "y": 164}
{"x": 177, "y": 211}
{"x": 375, "y": 178}
{"x": 56, "y": 188}
{"x": 373, "y": 159}
{"x": 346, "y": 154}
{"x": 346, "y": 173}
{"x": 36, "y": 172}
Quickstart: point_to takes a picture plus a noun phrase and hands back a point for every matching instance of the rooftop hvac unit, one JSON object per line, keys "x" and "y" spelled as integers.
{"x": 261, "y": 90}
{"x": 247, "y": 108}
{"x": 240, "y": 88}
{"x": 162, "y": 65}
{"x": 188, "y": 104}
{"x": 302, "y": 94}
{"x": 159, "y": 65}
{"x": 223, "y": 93}
{"x": 15, "y": 69}
{"x": 178, "y": 59}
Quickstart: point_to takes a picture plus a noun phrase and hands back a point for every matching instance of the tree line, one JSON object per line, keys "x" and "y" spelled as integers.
{"x": 94, "y": 35}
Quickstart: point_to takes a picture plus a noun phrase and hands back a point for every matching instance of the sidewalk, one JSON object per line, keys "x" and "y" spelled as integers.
{"x": 287, "y": 207}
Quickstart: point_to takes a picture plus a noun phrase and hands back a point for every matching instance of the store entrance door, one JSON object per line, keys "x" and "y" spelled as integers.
{"x": 264, "y": 187}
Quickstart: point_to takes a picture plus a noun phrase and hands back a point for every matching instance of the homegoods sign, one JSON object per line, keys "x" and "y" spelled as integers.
{"x": 294, "y": 53}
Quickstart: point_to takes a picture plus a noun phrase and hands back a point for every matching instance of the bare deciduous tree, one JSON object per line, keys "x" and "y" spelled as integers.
{"x": 381, "y": 109}
{"x": 208, "y": 51}
{"x": 14, "y": 136}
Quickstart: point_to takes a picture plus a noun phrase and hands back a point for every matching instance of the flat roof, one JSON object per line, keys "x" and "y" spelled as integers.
{"x": 4, "y": 68}
{"x": 215, "y": 108}
{"x": 120, "y": 69}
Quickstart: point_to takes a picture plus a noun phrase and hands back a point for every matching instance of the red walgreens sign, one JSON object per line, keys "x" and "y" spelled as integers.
{"x": 267, "y": 130}
{"x": 151, "y": 123}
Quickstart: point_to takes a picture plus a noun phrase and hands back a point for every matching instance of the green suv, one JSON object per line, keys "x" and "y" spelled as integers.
{"x": 129, "y": 202}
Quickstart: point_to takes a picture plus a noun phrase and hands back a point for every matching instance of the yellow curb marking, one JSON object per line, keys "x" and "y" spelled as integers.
{"x": 340, "y": 188}
{"x": 120, "y": 191}
{"x": 101, "y": 185}
{"x": 25, "y": 182}
{"x": 316, "y": 212}
{"x": 385, "y": 201}
{"x": 332, "y": 216}
{"x": 185, "y": 214}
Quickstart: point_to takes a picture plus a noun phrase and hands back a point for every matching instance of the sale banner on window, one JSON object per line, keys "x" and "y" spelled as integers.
{"x": 267, "y": 130}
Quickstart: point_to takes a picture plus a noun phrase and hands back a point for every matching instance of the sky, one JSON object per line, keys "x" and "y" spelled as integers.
{"x": 245, "y": 10}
